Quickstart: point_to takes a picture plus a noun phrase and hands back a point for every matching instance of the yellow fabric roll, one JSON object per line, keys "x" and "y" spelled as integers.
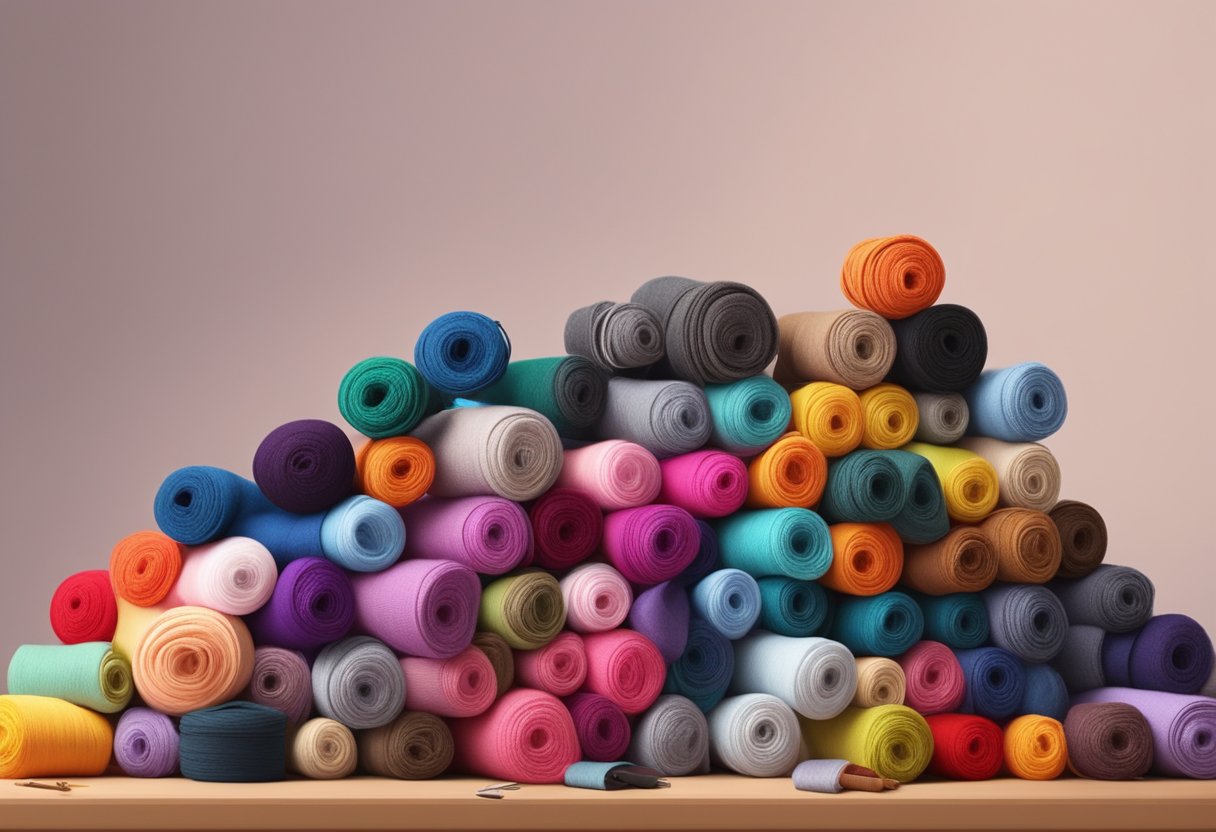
{"x": 1035, "y": 748}
{"x": 829, "y": 415}
{"x": 880, "y": 681}
{"x": 889, "y": 417}
{"x": 894, "y": 740}
{"x": 969, "y": 481}
{"x": 133, "y": 622}
{"x": 45, "y": 737}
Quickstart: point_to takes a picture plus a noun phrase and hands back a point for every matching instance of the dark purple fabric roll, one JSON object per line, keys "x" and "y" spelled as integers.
{"x": 602, "y": 727}
{"x": 706, "y": 560}
{"x": 661, "y": 613}
{"x": 1170, "y": 653}
{"x": 312, "y": 605}
{"x": 305, "y": 466}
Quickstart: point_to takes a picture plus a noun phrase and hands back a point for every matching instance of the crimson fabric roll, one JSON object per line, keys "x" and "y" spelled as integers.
{"x": 83, "y": 608}
{"x": 463, "y": 685}
{"x": 490, "y": 535}
{"x": 420, "y": 607}
{"x": 281, "y": 680}
{"x": 597, "y": 598}
{"x": 704, "y": 672}
{"x": 966, "y": 747}
{"x": 704, "y": 483}
{"x": 567, "y": 526}
{"x": 651, "y": 544}
{"x": 614, "y": 473}
{"x": 662, "y": 614}
{"x": 602, "y": 727}
{"x": 312, "y": 605}
{"x": 1170, "y": 653}
{"x": 1182, "y": 728}
{"x": 305, "y": 466}
{"x": 559, "y": 668}
{"x": 625, "y": 667}
{"x": 527, "y": 736}
{"x": 1108, "y": 741}
{"x": 934, "y": 682}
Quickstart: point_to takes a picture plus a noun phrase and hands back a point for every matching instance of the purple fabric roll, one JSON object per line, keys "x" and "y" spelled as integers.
{"x": 146, "y": 744}
{"x": 651, "y": 544}
{"x": 490, "y": 535}
{"x": 312, "y": 605}
{"x": 602, "y": 727}
{"x": 282, "y": 680}
{"x": 1183, "y": 728}
{"x": 661, "y": 613}
{"x": 1170, "y": 653}
{"x": 424, "y": 608}
{"x": 305, "y": 466}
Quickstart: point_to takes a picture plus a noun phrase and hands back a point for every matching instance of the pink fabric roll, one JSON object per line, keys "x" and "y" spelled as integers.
{"x": 527, "y": 736}
{"x": 464, "y": 685}
{"x": 651, "y": 544}
{"x": 704, "y": 483}
{"x": 490, "y": 535}
{"x": 235, "y": 576}
{"x": 615, "y": 473}
{"x": 597, "y": 598}
{"x": 566, "y": 528}
{"x": 558, "y": 668}
{"x": 934, "y": 681}
{"x": 421, "y": 607}
{"x": 626, "y": 667}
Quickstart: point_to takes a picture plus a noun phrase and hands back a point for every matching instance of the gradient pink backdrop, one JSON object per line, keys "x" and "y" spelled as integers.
{"x": 209, "y": 211}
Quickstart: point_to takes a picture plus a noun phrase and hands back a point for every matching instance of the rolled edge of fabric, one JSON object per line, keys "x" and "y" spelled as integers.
{"x": 89, "y": 674}
{"x": 968, "y": 480}
{"x": 667, "y": 418}
{"x": 877, "y": 625}
{"x": 672, "y": 736}
{"x": 414, "y": 746}
{"x": 559, "y": 668}
{"x": 616, "y": 336}
{"x": 894, "y": 276}
{"x": 235, "y": 576}
{"x": 889, "y": 417}
{"x": 794, "y": 542}
{"x": 41, "y": 736}
{"x": 829, "y": 415}
{"x": 383, "y": 396}
{"x": 421, "y": 607}
{"x": 943, "y": 417}
{"x": 501, "y": 658}
{"x": 962, "y": 561}
{"x": 662, "y": 614}
{"x": 527, "y": 736}
{"x": 464, "y": 685}
{"x": 816, "y": 677}
{"x": 322, "y": 749}
{"x": 192, "y": 658}
{"x": 490, "y": 535}
{"x": 867, "y": 558}
{"x": 1079, "y": 661}
{"x": 1023, "y": 403}
{"x": 651, "y": 544}
{"x": 703, "y": 673}
{"x": 362, "y": 534}
{"x": 791, "y": 473}
{"x": 597, "y": 598}
{"x": 864, "y": 487}
{"x": 626, "y": 667}
{"x": 1118, "y": 599}
{"x": 754, "y": 734}
{"x": 893, "y": 740}
{"x": 83, "y": 608}
{"x": 1046, "y": 693}
{"x": 568, "y": 390}
{"x": 359, "y": 682}
{"x": 614, "y": 473}
{"x": 144, "y": 567}
{"x": 941, "y": 349}
{"x": 396, "y": 470}
{"x": 1028, "y": 472}
{"x": 853, "y": 347}
{"x": 1035, "y": 747}
{"x": 729, "y": 599}
{"x": 958, "y": 620}
{"x": 305, "y": 466}
{"x": 146, "y": 744}
{"x": 281, "y": 680}
{"x": 312, "y": 605}
{"x": 880, "y": 681}
{"x": 1181, "y": 726}
{"x": 1170, "y": 653}
{"x": 966, "y": 747}
{"x": 1082, "y": 536}
{"x": 460, "y": 353}
{"x": 1108, "y": 741}
{"x": 705, "y": 483}
{"x": 1026, "y": 543}
{"x": 934, "y": 678}
{"x": 995, "y": 682}
{"x": 1027, "y": 620}
{"x": 790, "y": 607}
{"x": 603, "y": 728}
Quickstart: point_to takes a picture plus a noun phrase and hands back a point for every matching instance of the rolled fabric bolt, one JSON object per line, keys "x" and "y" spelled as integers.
{"x": 567, "y": 390}
{"x": 282, "y": 680}
{"x": 499, "y": 653}
{"x": 790, "y": 607}
{"x": 382, "y": 397}
{"x": 706, "y": 559}
{"x": 460, "y": 353}
{"x": 941, "y": 349}
{"x": 527, "y": 736}
{"x": 880, "y": 681}
{"x": 363, "y": 535}
{"x": 651, "y": 544}
{"x": 792, "y": 473}
{"x": 867, "y": 558}
{"x": 852, "y": 347}
{"x": 704, "y": 483}
{"x": 1082, "y": 537}
{"x": 962, "y": 561}
{"x": 966, "y": 747}
{"x": 794, "y": 542}
{"x": 1027, "y": 620}
{"x": 878, "y": 625}
{"x": 560, "y": 667}
{"x": 1079, "y": 661}
{"x": 893, "y": 740}
{"x": 893, "y": 276}
{"x": 41, "y": 736}
{"x": 943, "y": 417}
{"x": 863, "y": 487}
{"x": 662, "y": 614}
{"x": 191, "y": 658}
{"x": 934, "y": 678}
{"x": 747, "y": 415}
{"x": 754, "y": 734}
{"x": 421, "y": 607}
{"x": 463, "y": 685}
{"x": 414, "y": 746}
{"x": 958, "y": 620}
{"x": 814, "y": 676}
{"x": 526, "y": 609}
{"x": 616, "y": 336}
{"x": 236, "y": 576}
{"x": 672, "y": 736}
{"x": 667, "y": 418}
{"x": 1035, "y": 747}
{"x": 729, "y": 599}
{"x": 133, "y": 622}
{"x": 1108, "y": 741}
{"x": 322, "y": 749}
{"x": 614, "y": 473}
{"x": 1181, "y": 725}
{"x": 359, "y": 682}
{"x": 705, "y": 670}
{"x": 1116, "y": 598}
{"x": 89, "y": 674}
{"x": 1028, "y": 473}
{"x": 1169, "y": 653}
{"x": 237, "y": 742}
{"x": 968, "y": 480}
{"x": 83, "y": 608}
{"x": 397, "y": 470}
{"x": 489, "y": 535}
{"x": 597, "y": 598}
{"x": 143, "y": 568}
{"x": 312, "y": 605}
{"x": 889, "y": 417}
{"x": 602, "y": 727}
{"x": 511, "y": 452}
{"x": 146, "y": 744}
{"x": 828, "y": 415}
{"x": 1026, "y": 543}
{"x": 1023, "y": 403}
{"x": 625, "y": 667}
{"x": 924, "y": 517}
{"x": 305, "y": 466}
{"x": 1046, "y": 694}
{"x": 567, "y": 527}
{"x": 996, "y": 682}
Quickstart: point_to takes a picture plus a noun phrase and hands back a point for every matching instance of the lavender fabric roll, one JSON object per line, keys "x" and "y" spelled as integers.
{"x": 597, "y": 597}
{"x": 996, "y": 682}
{"x": 651, "y": 544}
{"x": 420, "y": 607}
{"x": 489, "y": 535}
{"x": 146, "y": 744}
{"x": 662, "y": 614}
{"x": 814, "y": 676}
{"x": 667, "y": 418}
{"x": 672, "y": 736}
{"x": 305, "y": 466}
{"x": 616, "y": 336}
{"x": 602, "y": 727}
{"x": 1170, "y": 653}
{"x": 1183, "y": 728}
{"x": 705, "y": 670}
{"x": 358, "y": 682}
{"x": 312, "y": 605}
{"x": 729, "y": 599}
{"x": 282, "y": 680}
{"x": 1027, "y": 620}
{"x": 1115, "y": 598}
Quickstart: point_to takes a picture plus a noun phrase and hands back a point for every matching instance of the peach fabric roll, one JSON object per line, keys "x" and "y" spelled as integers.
{"x": 962, "y": 561}
{"x": 893, "y": 276}
{"x": 397, "y": 470}
{"x": 889, "y": 417}
{"x": 41, "y": 736}
{"x": 464, "y": 685}
{"x": 853, "y": 347}
{"x": 829, "y": 415}
{"x": 968, "y": 480}
{"x": 792, "y": 473}
{"x": 867, "y": 558}
{"x": 144, "y": 566}
{"x": 1028, "y": 473}
{"x": 235, "y": 576}
{"x": 1026, "y": 543}
{"x": 615, "y": 473}
{"x": 880, "y": 681}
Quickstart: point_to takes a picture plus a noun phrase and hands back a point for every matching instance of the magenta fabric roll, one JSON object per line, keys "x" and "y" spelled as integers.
{"x": 421, "y": 607}
{"x": 281, "y": 680}
{"x": 464, "y": 685}
{"x": 662, "y": 614}
{"x": 615, "y": 474}
{"x": 527, "y": 736}
{"x": 490, "y": 535}
{"x": 704, "y": 483}
{"x": 651, "y": 544}
{"x": 934, "y": 680}
{"x": 566, "y": 528}
{"x": 560, "y": 667}
{"x": 602, "y": 727}
{"x": 597, "y": 598}
{"x": 313, "y": 604}
{"x": 1183, "y": 728}
{"x": 626, "y": 667}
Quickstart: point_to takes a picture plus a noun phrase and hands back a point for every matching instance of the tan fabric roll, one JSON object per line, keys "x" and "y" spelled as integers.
{"x": 1028, "y": 473}
{"x": 880, "y": 681}
{"x": 1026, "y": 543}
{"x": 962, "y": 561}
{"x": 414, "y": 746}
{"x": 853, "y": 347}
{"x": 499, "y": 653}
{"x": 322, "y": 749}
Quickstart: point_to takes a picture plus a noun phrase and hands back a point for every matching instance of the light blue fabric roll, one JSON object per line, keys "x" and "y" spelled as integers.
{"x": 363, "y": 534}
{"x": 794, "y": 542}
{"x": 1046, "y": 694}
{"x": 747, "y": 415}
{"x": 729, "y": 599}
{"x": 1023, "y": 403}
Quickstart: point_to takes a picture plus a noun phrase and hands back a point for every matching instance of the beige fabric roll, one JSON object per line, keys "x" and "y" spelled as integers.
{"x": 322, "y": 749}
{"x": 880, "y": 681}
{"x": 853, "y": 347}
{"x": 1028, "y": 473}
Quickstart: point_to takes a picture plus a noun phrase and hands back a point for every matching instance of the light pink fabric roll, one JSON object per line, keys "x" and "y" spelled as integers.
{"x": 934, "y": 679}
{"x": 615, "y": 473}
{"x": 464, "y": 685}
{"x": 704, "y": 483}
{"x": 527, "y": 736}
{"x": 234, "y": 576}
{"x": 626, "y": 667}
{"x": 560, "y": 667}
{"x": 490, "y": 535}
{"x": 597, "y": 598}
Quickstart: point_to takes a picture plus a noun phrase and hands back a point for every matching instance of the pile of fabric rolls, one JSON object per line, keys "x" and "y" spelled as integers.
{"x": 648, "y": 549}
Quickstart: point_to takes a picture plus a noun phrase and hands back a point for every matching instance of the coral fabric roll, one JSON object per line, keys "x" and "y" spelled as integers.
{"x": 790, "y": 607}
{"x": 397, "y": 470}
{"x": 941, "y": 349}
{"x": 191, "y": 658}
{"x": 814, "y": 676}
{"x": 625, "y": 667}
{"x": 672, "y": 736}
{"x": 704, "y": 483}
{"x": 235, "y": 575}
{"x": 863, "y": 487}
{"x": 602, "y": 727}
{"x": 501, "y": 657}
{"x": 1028, "y": 621}
{"x": 924, "y": 517}
{"x": 1116, "y": 598}
{"x": 966, "y": 747}
{"x": 1023, "y": 403}
{"x": 146, "y": 744}
{"x": 421, "y": 607}
{"x": 508, "y": 451}
{"x": 560, "y": 667}
{"x": 1026, "y": 543}
{"x": 889, "y": 417}
{"x": 382, "y": 397}
{"x": 754, "y": 734}
{"x": 791, "y": 473}
{"x": 1108, "y": 741}
{"x": 312, "y": 605}
{"x": 144, "y": 566}
{"x": 281, "y": 680}
{"x": 526, "y": 609}
{"x": 616, "y": 336}
{"x": 597, "y": 598}
{"x": 463, "y": 685}
{"x": 1181, "y": 726}
{"x": 934, "y": 678}
{"x": 667, "y": 418}
{"x": 614, "y": 473}
{"x": 662, "y": 614}
{"x": 414, "y": 746}
{"x": 1046, "y": 694}
{"x": 943, "y": 417}
{"x": 305, "y": 466}
{"x": 45, "y": 737}
{"x": 527, "y": 736}
{"x": 1169, "y": 653}
{"x": 893, "y": 740}
{"x": 829, "y": 415}
{"x": 490, "y": 535}
{"x": 747, "y": 415}
{"x": 867, "y": 558}
{"x": 853, "y": 347}
{"x": 322, "y": 749}
{"x": 651, "y": 544}
{"x": 705, "y": 670}
{"x": 567, "y": 527}
{"x": 794, "y": 542}
{"x": 729, "y": 599}
{"x": 968, "y": 480}
{"x": 996, "y": 682}
{"x": 958, "y": 620}
{"x": 568, "y": 390}
{"x": 893, "y": 276}
{"x": 83, "y": 608}
{"x": 879, "y": 625}
{"x": 460, "y": 353}
{"x": 1035, "y": 747}
{"x": 880, "y": 681}
{"x": 359, "y": 682}
{"x": 89, "y": 674}
{"x": 1082, "y": 537}
{"x": 1028, "y": 473}
{"x": 962, "y": 561}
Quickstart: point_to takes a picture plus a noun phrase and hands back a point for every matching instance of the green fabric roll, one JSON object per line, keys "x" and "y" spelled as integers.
{"x": 89, "y": 674}
{"x": 568, "y": 390}
{"x": 382, "y": 397}
{"x": 526, "y": 609}
{"x": 894, "y": 740}
{"x": 794, "y": 542}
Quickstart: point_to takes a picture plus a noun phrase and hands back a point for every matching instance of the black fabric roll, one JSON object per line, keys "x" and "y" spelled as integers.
{"x": 939, "y": 350}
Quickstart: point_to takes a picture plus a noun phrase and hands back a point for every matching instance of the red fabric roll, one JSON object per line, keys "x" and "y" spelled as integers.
{"x": 626, "y": 667}
{"x": 526, "y": 736}
{"x": 83, "y": 608}
{"x": 966, "y": 747}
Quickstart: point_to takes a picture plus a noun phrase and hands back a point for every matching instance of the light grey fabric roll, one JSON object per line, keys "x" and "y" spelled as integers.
{"x": 1079, "y": 662}
{"x": 1028, "y": 473}
{"x": 1027, "y": 620}
{"x": 359, "y": 682}
{"x": 616, "y": 336}
{"x": 943, "y": 417}
{"x": 816, "y": 677}
{"x": 667, "y": 418}
{"x": 671, "y": 737}
{"x": 755, "y": 734}
{"x": 1118, "y": 599}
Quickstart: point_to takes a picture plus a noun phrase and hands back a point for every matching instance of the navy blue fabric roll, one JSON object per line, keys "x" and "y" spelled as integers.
{"x": 996, "y": 682}
{"x": 958, "y": 620}
{"x": 1024, "y": 403}
{"x": 1170, "y": 653}
{"x": 462, "y": 352}
{"x": 703, "y": 673}
{"x": 923, "y": 518}
{"x": 863, "y": 487}
{"x": 238, "y": 742}
{"x": 706, "y": 560}
{"x": 791, "y": 607}
{"x": 1046, "y": 694}
{"x": 878, "y": 625}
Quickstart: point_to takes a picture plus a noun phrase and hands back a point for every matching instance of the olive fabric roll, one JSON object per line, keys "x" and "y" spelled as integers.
{"x": 305, "y": 466}
{"x": 1116, "y": 598}
{"x": 1028, "y": 621}
{"x": 667, "y": 418}
{"x": 893, "y": 740}
{"x": 322, "y": 749}
{"x": 397, "y": 470}
{"x": 597, "y": 598}
{"x": 1170, "y": 653}
{"x": 1082, "y": 538}
{"x": 560, "y": 667}
{"x": 414, "y": 746}
{"x": 527, "y": 736}
{"x": 83, "y": 608}
{"x": 894, "y": 276}
{"x": 463, "y": 685}
{"x": 382, "y": 397}
{"x": 867, "y": 558}
{"x": 794, "y": 542}
{"x": 41, "y": 736}
{"x": 1026, "y": 543}
{"x": 421, "y": 607}
{"x": 996, "y": 682}
{"x": 878, "y": 625}
{"x": 814, "y": 676}
{"x": 934, "y": 681}
{"x": 625, "y": 667}
{"x": 567, "y": 527}
{"x": 146, "y": 744}
{"x": 880, "y": 681}
{"x": 359, "y": 682}
{"x": 962, "y": 561}
{"x": 924, "y": 517}
{"x": 1046, "y": 693}
{"x": 662, "y": 614}
{"x": 790, "y": 607}
{"x": 966, "y": 747}
{"x": 863, "y": 487}
{"x": 526, "y": 609}
{"x": 614, "y": 473}
{"x": 704, "y": 671}
{"x": 704, "y": 483}
{"x": 501, "y": 657}
{"x": 190, "y": 658}
{"x": 1181, "y": 726}
{"x": 943, "y": 417}
{"x": 1023, "y": 403}
{"x": 968, "y": 480}
{"x": 672, "y": 736}
{"x": 313, "y": 604}
{"x": 281, "y": 680}
{"x": 461, "y": 353}
{"x": 237, "y": 742}
{"x": 959, "y": 620}
{"x": 235, "y": 575}
{"x": 747, "y": 415}
{"x": 1079, "y": 661}
{"x": 143, "y": 568}
{"x": 941, "y": 349}
{"x": 603, "y": 728}
{"x": 651, "y": 544}
{"x": 829, "y": 415}
{"x": 1108, "y": 741}
{"x": 754, "y": 734}
{"x": 1028, "y": 473}
{"x": 89, "y": 674}
{"x": 851, "y": 347}
{"x": 490, "y": 535}
{"x": 616, "y": 336}
{"x": 889, "y": 417}
{"x": 791, "y": 473}
{"x": 1035, "y": 747}
{"x": 729, "y": 599}
{"x": 568, "y": 390}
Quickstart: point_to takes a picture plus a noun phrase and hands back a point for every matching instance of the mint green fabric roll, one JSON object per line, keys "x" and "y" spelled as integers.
{"x": 89, "y": 674}
{"x": 747, "y": 415}
{"x": 794, "y": 542}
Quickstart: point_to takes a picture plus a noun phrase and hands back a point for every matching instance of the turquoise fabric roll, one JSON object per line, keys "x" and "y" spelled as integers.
{"x": 794, "y": 542}
{"x": 863, "y": 487}
{"x": 89, "y": 674}
{"x": 958, "y": 620}
{"x": 747, "y": 415}
{"x": 791, "y": 607}
{"x": 878, "y": 625}
{"x": 923, "y": 518}
{"x": 729, "y": 599}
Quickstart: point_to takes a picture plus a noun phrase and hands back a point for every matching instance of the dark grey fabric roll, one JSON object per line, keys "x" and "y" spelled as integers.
{"x": 1027, "y": 620}
{"x": 1116, "y": 598}
{"x": 1079, "y": 661}
{"x": 667, "y": 418}
{"x": 616, "y": 336}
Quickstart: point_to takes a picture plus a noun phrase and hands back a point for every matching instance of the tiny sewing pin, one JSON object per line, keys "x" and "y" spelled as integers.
{"x": 60, "y": 786}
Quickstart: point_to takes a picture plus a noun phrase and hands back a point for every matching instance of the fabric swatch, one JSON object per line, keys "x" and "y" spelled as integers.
{"x": 851, "y": 347}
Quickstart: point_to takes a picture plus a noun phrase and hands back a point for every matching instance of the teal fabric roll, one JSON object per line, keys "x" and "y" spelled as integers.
{"x": 958, "y": 620}
{"x": 878, "y": 625}
{"x": 794, "y": 542}
{"x": 923, "y": 518}
{"x": 791, "y": 607}
{"x": 747, "y": 415}
{"x": 863, "y": 487}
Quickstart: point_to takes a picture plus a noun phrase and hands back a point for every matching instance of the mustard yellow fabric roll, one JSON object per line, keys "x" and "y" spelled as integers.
{"x": 969, "y": 481}
{"x": 894, "y": 740}
{"x": 45, "y": 737}
{"x": 1035, "y": 748}
{"x": 889, "y": 417}
{"x": 829, "y": 415}
{"x": 880, "y": 681}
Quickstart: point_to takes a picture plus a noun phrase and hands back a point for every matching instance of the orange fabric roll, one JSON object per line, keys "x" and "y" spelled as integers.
{"x": 1026, "y": 543}
{"x": 397, "y": 470}
{"x": 1035, "y": 748}
{"x": 893, "y": 276}
{"x": 962, "y": 561}
{"x": 144, "y": 566}
{"x": 867, "y": 558}
{"x": 790, "y": 474}
{"x": 41, "y": 736}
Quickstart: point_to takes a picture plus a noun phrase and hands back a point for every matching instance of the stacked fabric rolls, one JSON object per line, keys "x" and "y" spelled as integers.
{"x": 645, "y": 550}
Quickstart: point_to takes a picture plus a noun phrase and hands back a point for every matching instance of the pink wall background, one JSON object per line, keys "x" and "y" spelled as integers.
{"x": 209, "y": 211}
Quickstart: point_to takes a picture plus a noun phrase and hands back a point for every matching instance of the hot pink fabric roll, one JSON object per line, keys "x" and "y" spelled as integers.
{"x": 527, "y": 736}
{"x": 597, "y": 598}
{"x": 704, "y": 483}
{"x": 560, "y": 667}
{"x": 651, "y": 544}
{"x": 615, "y": 473}
{"x": 234, "y": 576}
{"x": 934, "y": 681}
{"x": 566, "y": 528}
{"x": 490, "y": 535}
{"x": 464, "y": 685}
{"x": 626, "y": 667}
{"x": 421, "y": 607}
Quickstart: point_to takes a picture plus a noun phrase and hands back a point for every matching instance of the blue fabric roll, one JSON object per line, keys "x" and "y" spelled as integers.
{"x": 1027, "y": 620}
{"x": 461, "y": 353}
{"x": 706, "y": 560}
{"x": 703, "y": 673}
{"x": 1023, "y": 403}
{"x": 791, "y": 607}
{"x": 878, "y": 625}
{"x": 996, "y": 682}
{"x": 747, "y": 415}
{"x": 863, "y": 487}
{"x": 958, "y": 620}
{"x": 729, "y": 599}
{"x": 923, "y": 518}
{"x": 238, "y": 742}
{"x": 363, "y": 534}
{"x": 1046, "y": 694}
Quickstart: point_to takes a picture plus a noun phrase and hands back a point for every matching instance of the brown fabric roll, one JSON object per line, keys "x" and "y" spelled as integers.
{"x": 853, "y": 347}
{"x": 1108, "y": 741}
{"x": 1082, "y": 537}
{"x": 1026, "y": 543}
{"x": 962, "y": 561}
{"x": 499, "y": 653}
{"x": 414, "y": 746}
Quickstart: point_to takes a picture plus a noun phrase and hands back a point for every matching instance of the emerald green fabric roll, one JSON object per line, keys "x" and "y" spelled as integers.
{"x": 89, "y": 674}
{"x": 568, "y": 390}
